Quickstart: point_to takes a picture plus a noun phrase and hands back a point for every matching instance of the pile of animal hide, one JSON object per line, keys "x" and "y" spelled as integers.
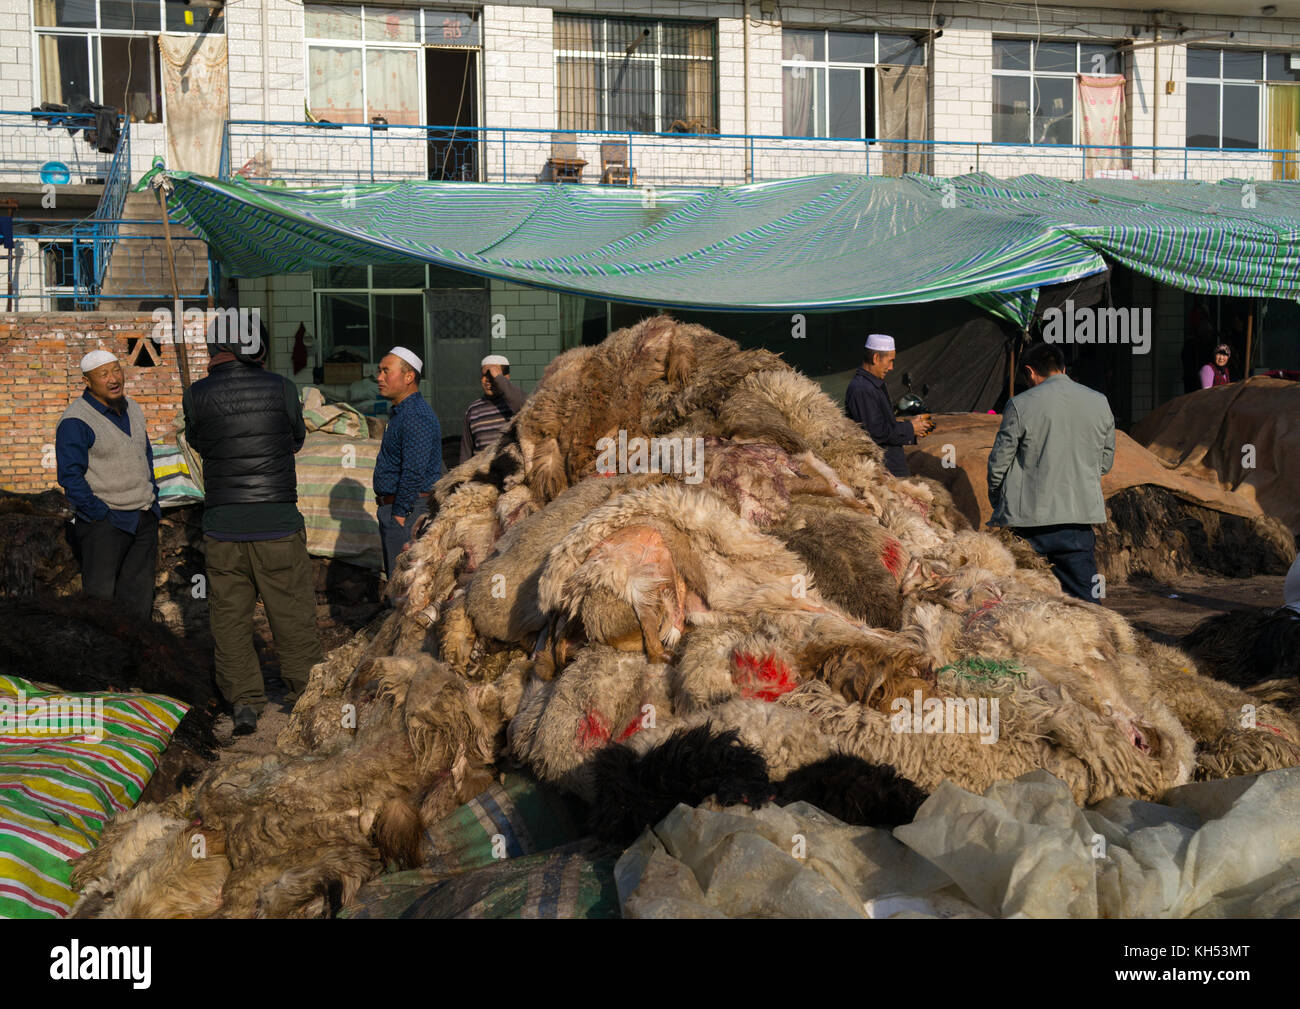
{"x": 777, "y": 614}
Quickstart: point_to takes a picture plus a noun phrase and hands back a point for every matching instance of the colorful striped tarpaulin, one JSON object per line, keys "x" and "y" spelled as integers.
{"x": 816, "y": 243}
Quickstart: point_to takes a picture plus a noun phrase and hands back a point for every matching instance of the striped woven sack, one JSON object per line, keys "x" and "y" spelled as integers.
{"x": 68, "y": 763}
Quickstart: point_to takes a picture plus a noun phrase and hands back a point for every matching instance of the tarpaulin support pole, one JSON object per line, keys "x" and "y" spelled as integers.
{"x": 1250, "y": 335}
{"x": 178, "y": 316}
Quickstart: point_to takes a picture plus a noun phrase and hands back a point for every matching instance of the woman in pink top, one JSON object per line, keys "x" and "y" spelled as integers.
{"x": 1217, "y": 372}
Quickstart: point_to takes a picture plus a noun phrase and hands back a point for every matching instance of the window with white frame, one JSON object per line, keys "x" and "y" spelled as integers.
{"x": 106, "y": 51}
{"x": 634, "y": 75}
{"x": 829, "y": 86}
{"x": 1226, "y": 94}
{"x": 1035, "y": 86}
{"x": 364, "y": 62}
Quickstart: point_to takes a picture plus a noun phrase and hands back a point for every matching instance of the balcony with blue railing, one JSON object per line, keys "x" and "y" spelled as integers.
{"x": 303, "y": 155}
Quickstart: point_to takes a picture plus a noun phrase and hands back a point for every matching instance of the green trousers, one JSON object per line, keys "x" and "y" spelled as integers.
{"x": 280, "y": 572}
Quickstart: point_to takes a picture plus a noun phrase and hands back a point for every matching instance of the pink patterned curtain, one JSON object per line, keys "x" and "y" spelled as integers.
{"x": 1101, "y": 108}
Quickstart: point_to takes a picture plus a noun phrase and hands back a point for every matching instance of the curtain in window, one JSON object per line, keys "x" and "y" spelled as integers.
{"x": 1284, "y": 129}
{"x": 334, "y": 83}
{"x": 579, "y": 93}
{"x": 903, "y": 104}
{"x": 1101, "y": 108}
{"x": 797, "y": 92}
{"x": 51, "y": 76}
{"x": 393, "y": 85}
{"x": 195, "y": 87}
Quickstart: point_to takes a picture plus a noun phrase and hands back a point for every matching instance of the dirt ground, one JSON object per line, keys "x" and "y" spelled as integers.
{"x": 1164, "y": 612}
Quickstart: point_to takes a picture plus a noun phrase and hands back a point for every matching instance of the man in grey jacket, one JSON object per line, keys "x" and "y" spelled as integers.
{"x": 1056, "y": 441}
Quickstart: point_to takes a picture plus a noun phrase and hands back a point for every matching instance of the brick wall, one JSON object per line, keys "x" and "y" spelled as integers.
{"x": 40, "y": 375}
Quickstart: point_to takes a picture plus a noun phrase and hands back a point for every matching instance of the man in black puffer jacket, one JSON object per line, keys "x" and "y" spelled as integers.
{"x": 246, "y": 423}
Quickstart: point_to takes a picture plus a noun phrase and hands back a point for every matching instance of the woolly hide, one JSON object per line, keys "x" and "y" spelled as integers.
{"x": 798, "y": 594}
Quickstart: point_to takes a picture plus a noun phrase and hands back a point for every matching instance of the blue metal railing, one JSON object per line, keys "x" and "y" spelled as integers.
{"x": 314, "y": 154}
{"x": 36, "y": 148}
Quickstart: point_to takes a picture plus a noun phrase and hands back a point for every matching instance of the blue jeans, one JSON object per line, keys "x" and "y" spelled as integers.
{"x": 1069, "y": 549}
{"x": 393, "y": 536}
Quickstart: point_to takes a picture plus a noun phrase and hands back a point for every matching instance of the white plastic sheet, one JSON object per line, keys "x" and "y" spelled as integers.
{"x": 1023, "y": 849}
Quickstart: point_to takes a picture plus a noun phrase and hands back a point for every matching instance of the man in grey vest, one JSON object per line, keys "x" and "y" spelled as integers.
{"x": 1056, "y": 441}
{"x": 105, "y": 466}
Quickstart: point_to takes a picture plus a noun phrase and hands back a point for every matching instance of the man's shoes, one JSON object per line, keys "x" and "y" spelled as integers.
{"x": 245, "y": 721}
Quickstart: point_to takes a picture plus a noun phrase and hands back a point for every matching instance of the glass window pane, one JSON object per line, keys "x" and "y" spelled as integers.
{"x": 341, "y": 276}
{"x": 320, "y": 22}
{"x": 399, "y": 321}
{"x": 138, "y": 15}
{"x": 577, "y": 34}
{"x": 1203, "y": 63}
{"x": 581, "y": 94}
{"x": 202, "y": 19}
{"x": 1054, "y": 110}
{"x": 1242, "y": 66}
{"x": 334, "y": 84}
{"x": 852, "y": 47}
{"x": 624, "y": 32}
{"x": 450, "y": 28}
{"x": 630, "y": 96}
{"x": 686, "y": 38}
{"x": 389, "y": 24}
{"x": 65, "y": 13}
{"x": 809, "y": 45}
{"x": 399, "y": 275}
{"x": 1278, "y": 67}
{"x": 1241, "y": 116}
{"x": 1056, "y": 56}
{"x": 800, "y": 105}
{"x": 1010, "y": 55}
{"x": 1100, "y": 60}
{"x": 688, "y": 94}
{"x": 901, "y": 49}
{"x": 1011, "y": 110}
{"x": 131, "y": 77}
{"x": 1202, "y": 115}
{"x": 65, "y": 68}
{"x": 345, "y": 324}
{"x": 845, "y": 103}
{"x": 443, "y": 278}
{"x": 393, "y": 85}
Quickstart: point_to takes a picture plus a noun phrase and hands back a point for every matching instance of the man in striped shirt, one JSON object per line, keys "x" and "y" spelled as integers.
{"x": 488, "y": 415}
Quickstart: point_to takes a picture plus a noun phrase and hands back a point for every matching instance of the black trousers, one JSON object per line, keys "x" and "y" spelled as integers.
{"x": 1069, "y": 549}
{"x": 119, "y": 566}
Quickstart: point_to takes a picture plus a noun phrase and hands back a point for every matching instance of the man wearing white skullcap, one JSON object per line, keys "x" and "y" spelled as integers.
{"x": 410, "y": 456}
{"x": 488, "y": 415}
{"x": 105, "y": 466}
{"x": 867, "y": 402}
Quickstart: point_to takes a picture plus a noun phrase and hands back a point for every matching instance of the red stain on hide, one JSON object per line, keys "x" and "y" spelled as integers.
{"x": 892, "y": 558}
{"x": 764, "y": 679}
{"x": 631, "y": 729}
{"x": 1271, "y": 728}
{"x": 982, "y": 610}
{"x": 592, "y": 731}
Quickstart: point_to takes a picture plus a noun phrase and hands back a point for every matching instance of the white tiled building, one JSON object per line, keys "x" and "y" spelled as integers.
{"x": 702, "y": 93}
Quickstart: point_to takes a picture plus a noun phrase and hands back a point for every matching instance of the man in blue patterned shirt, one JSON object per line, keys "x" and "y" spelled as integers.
{"x": 410, "y": 458}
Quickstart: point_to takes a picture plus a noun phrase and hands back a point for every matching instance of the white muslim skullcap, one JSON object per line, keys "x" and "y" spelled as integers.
{"x": 95, "y": 359}
{"x": 500, "y": 359}
{"x": 880, "y": 342}
{"x": 409, "y": 357}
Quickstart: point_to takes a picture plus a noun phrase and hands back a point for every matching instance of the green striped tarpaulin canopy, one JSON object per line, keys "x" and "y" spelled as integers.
{"x": 817, "y": 243}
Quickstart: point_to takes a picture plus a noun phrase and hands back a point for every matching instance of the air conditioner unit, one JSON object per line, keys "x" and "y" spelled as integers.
{"x": 1293, "y": 61}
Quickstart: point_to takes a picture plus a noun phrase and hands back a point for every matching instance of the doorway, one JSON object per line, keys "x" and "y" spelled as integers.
{"x": 451, "y": 98}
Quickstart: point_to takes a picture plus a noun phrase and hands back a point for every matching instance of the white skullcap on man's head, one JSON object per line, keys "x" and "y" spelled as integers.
{"x": 410, "y": 357}
{"x": 500, "y": 359}
{"x": 880, "y": 342}
{"x": 97, "y": 358}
